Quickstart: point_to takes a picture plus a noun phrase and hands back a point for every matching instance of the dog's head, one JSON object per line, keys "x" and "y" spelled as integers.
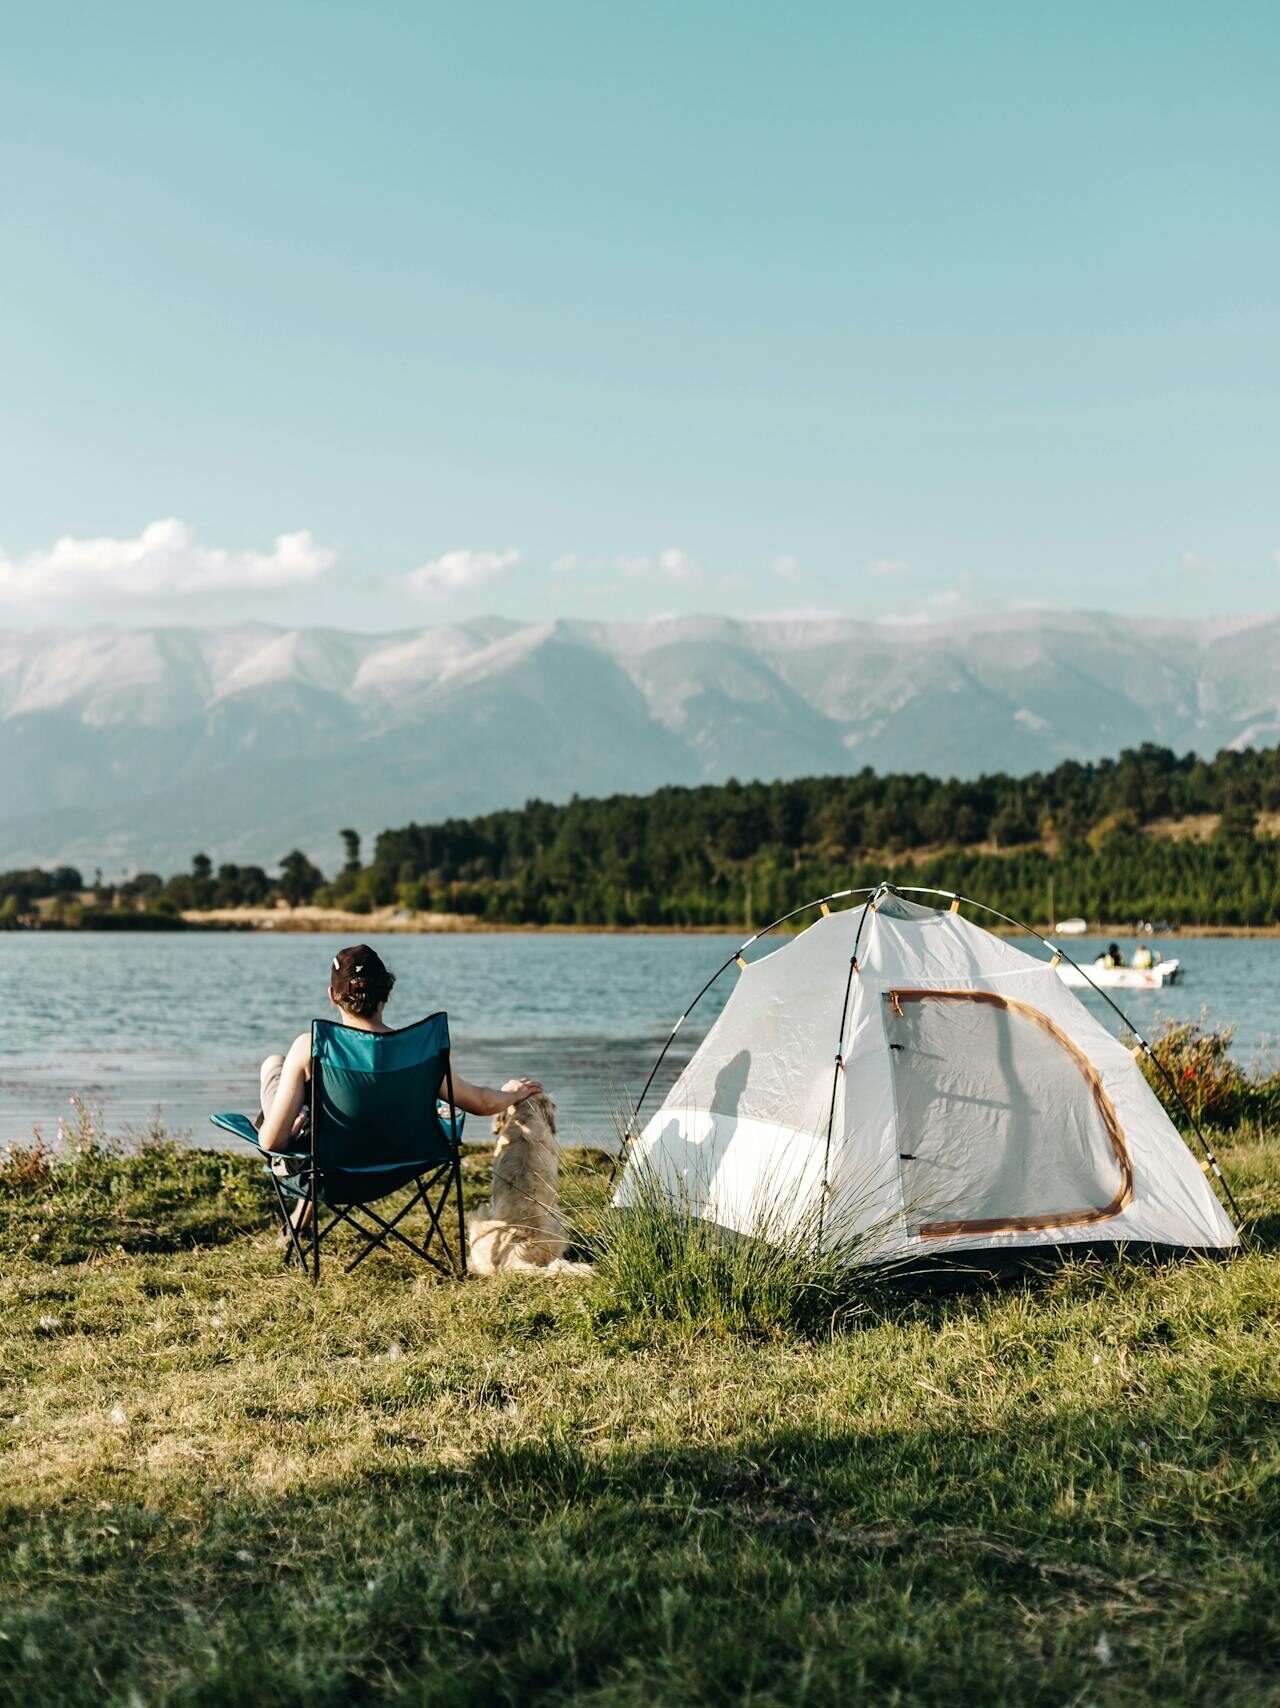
{"x": 535, "y": 1119}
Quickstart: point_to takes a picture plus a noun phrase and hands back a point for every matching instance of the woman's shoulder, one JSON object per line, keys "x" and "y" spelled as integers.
{"x": 300, "y": 1049}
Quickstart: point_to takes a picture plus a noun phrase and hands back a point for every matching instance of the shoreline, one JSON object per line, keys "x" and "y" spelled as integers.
{"x": 308, "y": 919}
{"x": 394, "y": 922}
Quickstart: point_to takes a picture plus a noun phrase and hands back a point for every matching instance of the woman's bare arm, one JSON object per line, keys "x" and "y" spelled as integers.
{"x": 480, "y": 1100}
{"x": 277, "y": 1132}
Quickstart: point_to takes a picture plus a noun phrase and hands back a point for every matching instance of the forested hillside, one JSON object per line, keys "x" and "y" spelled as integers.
{"x": 1147, "y": 836}
{"x": 1118, "y": 840}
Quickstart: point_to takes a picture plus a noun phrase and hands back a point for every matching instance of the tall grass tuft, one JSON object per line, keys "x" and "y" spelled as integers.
{"x": 659, "y": 1260}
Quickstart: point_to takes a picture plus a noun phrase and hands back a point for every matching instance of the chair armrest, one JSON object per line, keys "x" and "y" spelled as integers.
{"x": 241, "y": 1127}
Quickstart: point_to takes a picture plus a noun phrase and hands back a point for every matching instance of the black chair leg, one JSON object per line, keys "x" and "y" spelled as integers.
{"x": 315, "y": 1228}
{"x": 288, "y": 1228}
{"x": 307, "y": 1250}
{"x": 462, "y": 1220}
{"x": 390, "y": 1230}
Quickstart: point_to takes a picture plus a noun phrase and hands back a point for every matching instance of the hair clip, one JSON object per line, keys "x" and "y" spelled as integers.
{"x": 335, "y": 964}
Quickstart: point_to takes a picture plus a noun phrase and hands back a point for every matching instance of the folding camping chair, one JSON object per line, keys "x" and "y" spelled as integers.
{"x": 376, "y": 1128}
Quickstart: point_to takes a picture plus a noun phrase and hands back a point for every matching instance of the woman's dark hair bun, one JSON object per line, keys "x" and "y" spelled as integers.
{"x": 360, "y": 981}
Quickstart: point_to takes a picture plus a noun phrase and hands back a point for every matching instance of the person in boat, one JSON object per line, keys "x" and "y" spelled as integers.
{"x": 360, "y": 985}
{"x": 1114, "y": 956}
{"x": 1143, "y": 959}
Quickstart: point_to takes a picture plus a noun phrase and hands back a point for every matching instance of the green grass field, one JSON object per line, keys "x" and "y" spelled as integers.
{"x": 220, "y": 1486}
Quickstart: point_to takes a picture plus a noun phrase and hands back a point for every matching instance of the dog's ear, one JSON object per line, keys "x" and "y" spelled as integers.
{"x": 547, "y": 1109}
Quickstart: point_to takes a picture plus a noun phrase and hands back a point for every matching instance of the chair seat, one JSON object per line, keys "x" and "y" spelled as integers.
{"x": 354, "y": 1185}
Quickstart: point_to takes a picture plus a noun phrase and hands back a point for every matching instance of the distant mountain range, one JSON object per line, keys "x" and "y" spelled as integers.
{"x": 133, "y": 748}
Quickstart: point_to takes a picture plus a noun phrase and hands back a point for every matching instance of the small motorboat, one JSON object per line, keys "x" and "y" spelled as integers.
{"x": 1154, "y": 977}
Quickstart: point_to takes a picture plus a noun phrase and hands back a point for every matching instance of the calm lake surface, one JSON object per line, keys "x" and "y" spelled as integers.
{"x": 153, "y": 1021}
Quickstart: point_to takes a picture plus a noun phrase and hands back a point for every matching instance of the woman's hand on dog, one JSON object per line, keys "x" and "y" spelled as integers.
{"x": 521, "y": 1089}
{"x": 480, "y": 1100}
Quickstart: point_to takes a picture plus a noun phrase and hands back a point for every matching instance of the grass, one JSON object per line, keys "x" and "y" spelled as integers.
{"x": 218, "y": 1486}
{"x": 657, "y": 1260}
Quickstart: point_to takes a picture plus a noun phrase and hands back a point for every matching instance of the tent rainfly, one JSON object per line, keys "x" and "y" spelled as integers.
{"x": 972, "y": 1103}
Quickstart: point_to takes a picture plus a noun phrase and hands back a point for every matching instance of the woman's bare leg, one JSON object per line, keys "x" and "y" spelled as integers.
{"x": 268, "y": 1084}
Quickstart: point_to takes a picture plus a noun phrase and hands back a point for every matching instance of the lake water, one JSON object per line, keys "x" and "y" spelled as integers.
{"x": 140, "y": 1022}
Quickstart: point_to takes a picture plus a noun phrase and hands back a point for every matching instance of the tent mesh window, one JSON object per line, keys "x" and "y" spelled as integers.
{"x": 1003, "y": 1124}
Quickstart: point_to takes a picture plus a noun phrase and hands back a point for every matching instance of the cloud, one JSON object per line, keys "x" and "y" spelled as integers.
{"x": 787, "y": 566}
{"x": 672, "y": 562}
{"x": 678, "y": 565}
{"x": 163, "y": 559}
{"x": 888, "y": 566}
{"x": 459, "y": 571}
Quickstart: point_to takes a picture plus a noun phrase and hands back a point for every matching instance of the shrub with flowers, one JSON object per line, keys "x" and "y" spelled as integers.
{"x": 1209, "y": 1080}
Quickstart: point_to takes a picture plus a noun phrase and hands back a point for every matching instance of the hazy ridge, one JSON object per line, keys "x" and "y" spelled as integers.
{"x": 134, "y": 747}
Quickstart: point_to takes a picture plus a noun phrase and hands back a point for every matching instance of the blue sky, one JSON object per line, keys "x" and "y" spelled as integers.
{"x": 598, "y": 310}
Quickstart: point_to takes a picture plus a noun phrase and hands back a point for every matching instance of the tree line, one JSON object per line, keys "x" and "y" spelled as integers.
{"x": 61, "y": 895}
{"x": 1077, "y": 839}
{"x": 1086, "y": 838}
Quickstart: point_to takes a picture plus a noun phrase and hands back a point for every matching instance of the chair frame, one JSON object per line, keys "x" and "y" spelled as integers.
{"x": 424, "y": 1182}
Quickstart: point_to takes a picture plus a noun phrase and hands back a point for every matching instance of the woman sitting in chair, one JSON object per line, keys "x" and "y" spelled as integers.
{"x": 359, "y": 986}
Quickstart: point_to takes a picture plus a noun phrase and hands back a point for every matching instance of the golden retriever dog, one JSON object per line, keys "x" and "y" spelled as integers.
{"x": 523, "y": 1229}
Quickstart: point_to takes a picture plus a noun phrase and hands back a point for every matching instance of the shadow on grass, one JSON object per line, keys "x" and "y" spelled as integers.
{"x": 930, "y": 1566}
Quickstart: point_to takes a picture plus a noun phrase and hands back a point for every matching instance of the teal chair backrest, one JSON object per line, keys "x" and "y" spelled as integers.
{"x": 373, "y": 1094}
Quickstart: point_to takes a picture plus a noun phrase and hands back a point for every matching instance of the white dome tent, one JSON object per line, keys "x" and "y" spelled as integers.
{"x": 897, "y": 1075}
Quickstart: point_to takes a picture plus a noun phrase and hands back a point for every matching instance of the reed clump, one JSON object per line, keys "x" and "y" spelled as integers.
{"x": 659, "y": 1260}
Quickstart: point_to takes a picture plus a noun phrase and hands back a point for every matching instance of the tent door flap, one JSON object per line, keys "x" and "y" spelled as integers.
{"x": 1003, "y": 1123}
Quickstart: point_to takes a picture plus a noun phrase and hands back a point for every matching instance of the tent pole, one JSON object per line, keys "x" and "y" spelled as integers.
{"x": 839, "y": 1064}
{"x": 1214, "y": 1164}
{"x": 629, "y": 1130}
